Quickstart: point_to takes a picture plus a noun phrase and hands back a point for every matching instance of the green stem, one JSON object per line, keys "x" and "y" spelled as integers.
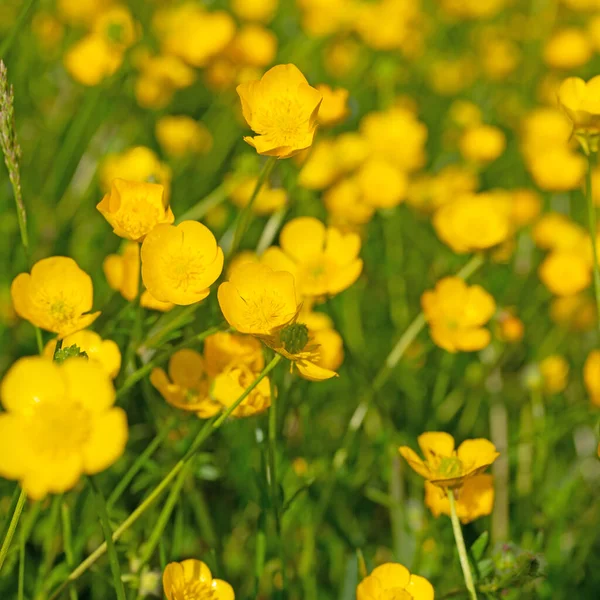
{"x": 12, "y": 527}
{"x": 57, "y": 348}
{"x": 67, "y": 535}
{"x": 108, "y": 536}
{"x": 593, "y": 230}
{"x": 196, "y": 212}
{"x": 209, "y": 427}
{"x": 460, "y": 545}
{"x": 38, "y": 340}
{"x": 143, "y": 370}
{"x": 246, "y": 213}
{"x": 21, "y": 588}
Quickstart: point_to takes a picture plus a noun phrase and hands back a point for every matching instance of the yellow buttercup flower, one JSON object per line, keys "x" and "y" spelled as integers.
{"x": 282, "y": 109}
{"x": 59, "y": 423}
{"x": 254, "y": 10}
{"x": 180, "y": 263}
{"x": 472, "y": 222}
{"x": 122, "y": 271}
{"x": 187, "y": 384}
{"x": 192, "y": 580}
{"x": 565, "y": 272}
{"x": 326, "y": 338}
{"x": 261, "y": 302}
{"x": 381, "y": 183}
{"x": 475, "y": 499}
{"x": 568, "y": 48}
{"x": 345, "y": 204}
{"x": 253, "y": 46}
{"x": 81, "y": 12}
{"x": 482, "y": 143}
{"x": 321, "y": 167}
{"x": 591, "y": 376}
{"x": 223, "y": 349}
{"x": 393, "y": 581}
{"x": 181, "y": 135}
{"x": 57, "y": 296}
{"x": 231, "y": 383}
{"x": 117, "y": 26}
{"x": 581, "y": 103}
{"x": 334, "y": 108}
{"x": 147, "y": 300}
{"x": 555, "y": 374}
{"x": 105, "y": 352}
{"x": 92, "y": 59}
{"x": 443, "y": 465}
{"x": 555, "y": 231}
{"x": 134, "y": 208}
{"x": 457, "y": 313}
{"x": 323, "y": 260}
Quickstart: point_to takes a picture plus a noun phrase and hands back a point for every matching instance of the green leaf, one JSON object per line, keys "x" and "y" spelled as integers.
{"x": 69, "y": 352}
{"x": 479, "y": 546}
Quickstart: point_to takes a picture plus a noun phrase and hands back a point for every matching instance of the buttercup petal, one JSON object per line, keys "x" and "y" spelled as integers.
{"x": 419, "y": 588}
{"x": 476, "y": 455}
{"x": 15, "y": 457}
{"x": 303, "y": 239}
{"x": 222, "y": 590}
{"x": 392, "y": 575}
{"x": 436, "y": 444}
{"x": 88, "y": 384}
{"x": 196, "y": 570}
{"x": 313, "y": 372}
{"x": 415, "y": 461}
{"x": 106, "y": 442}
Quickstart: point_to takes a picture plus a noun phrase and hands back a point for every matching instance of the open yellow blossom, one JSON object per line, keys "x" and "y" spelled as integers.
{"x": 222, "y": 349}
{"x": 475, "y": 499}
{"x": 105, "y": 352}
{"x": 457, "y": 313}
{"x": 122, "y": 271}
{"x": 581, "y": 103}
{"x": 92, "y": 59}
{"x": 134, "y": 208}
{"x": 135, "y": 164}
{"x": 262, "y": 302}
{"x": 59, "y": 423}
{"x": 326, "y": 338}
{"x": 192, "y": 580}
{"x": 57, "y": 296}
{"x": 555, "y": 373}
{"x": 443, "y": 465}
{"x": 282, "y": 109}
{"x": 323, "y": 260}
{"x": 253, "y": 46}
{"x": 568, "y": 48}
{"x": 187, "y": 384}
{"x": 565, "y": 272}
{"x": 392, "y": 581}
{"x": 181, "y": 135}
{"x": 334, "y": 108}
{"x": 472, "y": 222}
{"x": 180, "y": 263}
{"x": 147, "y": 300}
{"x": 482, "y": 143}
{"x": 591, "y": 376}
{"x": 268, "y": 200}
{"x": 231, "y": 383}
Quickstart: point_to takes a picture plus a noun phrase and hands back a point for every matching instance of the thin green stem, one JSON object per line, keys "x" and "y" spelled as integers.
{"x": 38, "y": 340}
{"x": 246, "y": 213}
{"x": 67, "y": 536}
{"x": 196, "y": 212}
{"x": 593, "y": 230}
{"x": 460, "y": 545}
{"x": 113, "y": 558}
{"x": 21, "y": 588}
{"x": 57, "y": 348}
{"x": 12, "y": 527}
{"x": 209, "y": 427}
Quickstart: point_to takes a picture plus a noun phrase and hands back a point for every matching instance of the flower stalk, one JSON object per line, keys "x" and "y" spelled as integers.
{"x": 14, "y": 521}
{"x": 593, "y": 228}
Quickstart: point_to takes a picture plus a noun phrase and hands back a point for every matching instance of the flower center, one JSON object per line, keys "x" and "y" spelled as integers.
{"x": 450, "y": 466}
{"x": 138, "y": 217}
{"x": 294, "y": 337}
{"x": 194, "y": 590}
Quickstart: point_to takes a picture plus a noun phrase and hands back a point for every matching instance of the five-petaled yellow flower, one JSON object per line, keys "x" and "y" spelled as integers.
{"x": 59, "y": 423}
{"x": 457, "y": 313}
{"x": 323, "y": 260}
{"x": 180, "y": 263}
{"x": 134, "y": 208}
{"x": 443, "y": 465}
{"x": 57, "y": 296}
{"x": 581, "y": 103}
{"x": 261, "y": 302}
{"x": 192, "y": 580}
{"x": 393, "y": 581}
{"x": 282, "y": 108}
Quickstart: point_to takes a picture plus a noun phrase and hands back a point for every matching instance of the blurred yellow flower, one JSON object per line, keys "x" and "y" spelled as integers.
{"x": 456, "y": 314}
{"x": 254, "y": 10}
{"x": 57, "y": 296}
{"x": 135, "y": 164}
{"x": 334, "y": 108}
{"x": 351, "y": 150}
{"x": 81, "y": 12}
{"x": 187, "y": 384}
{"x": 345, "y": 204}
{"x": 180, "y": 263}
{"x": 472, "y": 9}
{"x": 526, "y": 206}
{"x": 581, "y": 103}
{"x": 117, "y": 26}
{"x": 321, "y": 167}
{"x": 511, "y": 327}
{"x": 62, "y": 421}
{"x": 322, "y": 260}
{"x": 555, "y": 231}
{"x": 122, "y": 271}
{"x": 382, "y": 184}
{"x": 568, "y": 48}
{"x": 282, "y": 109}
{"x": 482, "y": 143}
{"x": 231, "y": 383}
{"x": 268, "y": 200}
{"x": 591, "y": 376}
{"x": 565, "y": 272}
{"x": 475, "y": 499}
{"x": 326, "y": 338}
{"x": 92, "y": 59}
{"x": 223, "y": 348}
{"x": 105, "y": 352}
{"x": 472, "y": 222}
{"x": 134, "y": 208}
{"x": 181, "y": 135}
{"x": 192, "y": 580}
{"x": 555, "y": 374}
{"x": 253, "y": 46}
{"x": 577, "y": 313}
{"x": 446, "y": 467}
{"x": 147, "y": 300}
{"x": 392, "y": 581}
